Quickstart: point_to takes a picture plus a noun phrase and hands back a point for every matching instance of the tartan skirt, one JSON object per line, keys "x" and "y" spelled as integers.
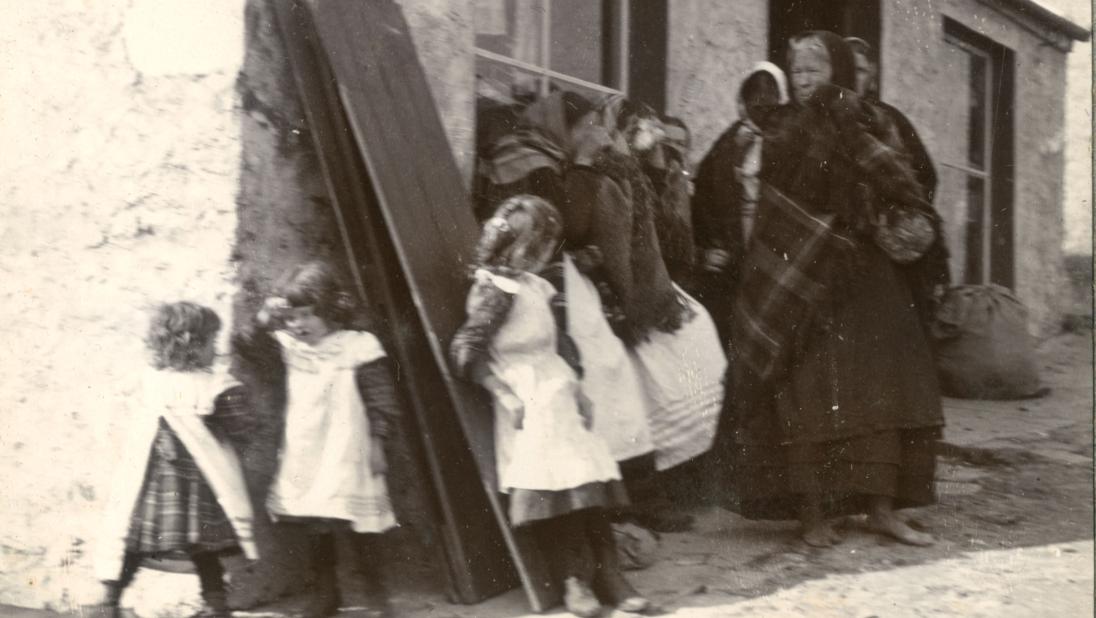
{"x": 177, "y": 514}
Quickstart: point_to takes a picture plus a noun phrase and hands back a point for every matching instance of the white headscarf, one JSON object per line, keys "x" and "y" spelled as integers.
{"x": 748, "y": 171}
{"x": 781, "y": 87}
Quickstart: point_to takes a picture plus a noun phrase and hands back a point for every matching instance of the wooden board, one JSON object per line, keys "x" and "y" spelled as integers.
{"x": 410, "y": 234}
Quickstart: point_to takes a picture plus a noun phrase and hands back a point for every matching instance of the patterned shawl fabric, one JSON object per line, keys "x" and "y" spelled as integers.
{"x": 825, "y": 175}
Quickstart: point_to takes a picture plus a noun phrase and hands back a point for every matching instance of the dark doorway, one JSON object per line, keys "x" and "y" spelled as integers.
{"x": 787, "y": 18}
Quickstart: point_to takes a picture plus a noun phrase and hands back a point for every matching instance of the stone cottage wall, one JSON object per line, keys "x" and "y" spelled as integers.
{"x": 712, "y": 43}
{"x": 118, "y": 191}
{"x": 914, "y": 40}
{"x": 156, "y": 151}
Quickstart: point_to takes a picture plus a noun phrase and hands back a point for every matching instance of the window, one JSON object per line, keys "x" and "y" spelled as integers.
{"x": 975, "y": 157}
{"x": 528, "y": 48}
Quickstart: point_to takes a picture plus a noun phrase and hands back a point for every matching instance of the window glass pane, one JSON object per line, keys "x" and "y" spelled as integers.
{"x": 976, "y": 230}
{"x": 951, "y": 203}
{"x": 953, "y": 120}
{"x": 504, "y": 83}
{"x": 979, "y": 111}
{"x": 577, "y": 40}
{"x": 511, "y": 28}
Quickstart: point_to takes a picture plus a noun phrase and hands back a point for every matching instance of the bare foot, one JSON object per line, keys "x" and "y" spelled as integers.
{"x": 912, "y": 521}
{"x": 891, "y": 524}
{"x": 821, "y": 534}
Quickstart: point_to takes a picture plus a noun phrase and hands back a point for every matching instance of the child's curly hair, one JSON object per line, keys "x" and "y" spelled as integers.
{"x": 317, "y": 285}
{"x": 178, "y": 335}
{"x": 522, "y": 227}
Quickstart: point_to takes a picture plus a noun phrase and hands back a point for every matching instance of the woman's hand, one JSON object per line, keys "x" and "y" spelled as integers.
{"x": 377, "y": 461}
{"x": 585, "y": 409}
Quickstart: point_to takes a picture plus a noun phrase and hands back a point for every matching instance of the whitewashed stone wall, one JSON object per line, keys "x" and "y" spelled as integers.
{"x": 117, "y": 191}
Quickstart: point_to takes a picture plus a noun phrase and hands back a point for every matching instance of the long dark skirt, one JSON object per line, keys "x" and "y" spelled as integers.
{"x": 858, "y": 415}
{"x": 177, "y": 514}
{"x": 530, "y": 505}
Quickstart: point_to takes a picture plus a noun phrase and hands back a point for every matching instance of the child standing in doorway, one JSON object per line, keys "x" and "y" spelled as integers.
{"x": 179, "y": 492}
{"x": 558, "y": 474}
{"x": 341, "y": 407}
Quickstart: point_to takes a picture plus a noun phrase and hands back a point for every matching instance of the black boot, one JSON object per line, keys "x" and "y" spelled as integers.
{"x": 211, "y": 576}
{"x": 609, "y": 583}
{"x": 325, "y": 593}
{"x": 370, "y": 564}
{"x": 110, "y": 605}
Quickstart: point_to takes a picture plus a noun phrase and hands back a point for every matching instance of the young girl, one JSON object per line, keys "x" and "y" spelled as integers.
{"x": 180, "y": 490}
{"x": 558, "y": 474}
{"x": 341, "y": 406}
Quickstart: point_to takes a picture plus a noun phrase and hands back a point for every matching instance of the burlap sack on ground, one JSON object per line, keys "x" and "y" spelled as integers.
{"x": 983, "y": 348}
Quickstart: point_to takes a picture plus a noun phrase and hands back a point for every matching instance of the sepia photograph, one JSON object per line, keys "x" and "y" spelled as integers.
{"x": 517, "y": 308}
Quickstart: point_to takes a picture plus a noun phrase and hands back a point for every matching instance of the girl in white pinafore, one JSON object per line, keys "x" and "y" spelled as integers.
{"x": 559, "y": 475}
{"x": 341, "y": 408}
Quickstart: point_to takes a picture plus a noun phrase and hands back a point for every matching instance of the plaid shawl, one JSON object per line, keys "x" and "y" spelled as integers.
{"x": 784, "y": 276}
{"x": 825, "y": 176}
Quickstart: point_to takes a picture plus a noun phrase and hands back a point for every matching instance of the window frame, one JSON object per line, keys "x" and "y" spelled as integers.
{"x": 996, "y": 256}
{"x": 616, "y": 31}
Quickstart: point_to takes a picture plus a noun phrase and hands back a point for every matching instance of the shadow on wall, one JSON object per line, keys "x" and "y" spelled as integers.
{"x": 285, "y": 218}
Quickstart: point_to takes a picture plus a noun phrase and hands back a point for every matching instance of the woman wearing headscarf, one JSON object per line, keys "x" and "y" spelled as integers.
{"x": 728, "y": 187}
{"x": 837, "y": 406}
{"x": 570, "y": 152}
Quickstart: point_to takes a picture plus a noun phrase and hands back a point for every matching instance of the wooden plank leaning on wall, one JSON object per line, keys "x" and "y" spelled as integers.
{"x": 410, "y": 234}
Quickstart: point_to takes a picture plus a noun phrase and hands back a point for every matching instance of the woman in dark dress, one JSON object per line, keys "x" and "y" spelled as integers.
{"x": 836, "y": 402}
{"x": 728, "y": 186}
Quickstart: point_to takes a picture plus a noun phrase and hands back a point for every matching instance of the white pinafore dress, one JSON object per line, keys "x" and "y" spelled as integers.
{"x": 324, "y": 469}
{"x": 553, "y": 451}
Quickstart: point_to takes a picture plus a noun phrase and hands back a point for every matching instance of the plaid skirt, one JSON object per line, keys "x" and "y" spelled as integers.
{"x": 177, "y": 514}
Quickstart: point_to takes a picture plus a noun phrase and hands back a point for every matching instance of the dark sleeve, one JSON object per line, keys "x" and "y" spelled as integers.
{"x": 255, "y": 345}
{"x": 715, "y": 226}
{"x": 919, "y": 155}
{"x": 487, "y": 312}
{"x": 232, "y": 415}
{"x": 377, "y": 388}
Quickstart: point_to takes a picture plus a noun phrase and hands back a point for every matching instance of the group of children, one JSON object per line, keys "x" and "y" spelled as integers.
{"x": 180, "y": 492}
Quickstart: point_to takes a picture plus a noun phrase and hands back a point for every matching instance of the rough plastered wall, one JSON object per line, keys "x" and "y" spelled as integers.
{"x": 913, "y": 46}
{"x": 712, "y": 43}
{"x": 157, "y": 151}
{"x": 117, "y": 191}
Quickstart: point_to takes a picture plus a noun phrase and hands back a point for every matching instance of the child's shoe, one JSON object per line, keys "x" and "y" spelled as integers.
{"x": 579, "y": 599}
{"x": 215, "y": 605}
{"x": 109, "y": 605}
{"x": 376, "y": 597}
{"x": 325, "y": 599}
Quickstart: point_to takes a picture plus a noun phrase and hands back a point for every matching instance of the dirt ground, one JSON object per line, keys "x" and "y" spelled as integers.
{"x": 1012, "y": 475}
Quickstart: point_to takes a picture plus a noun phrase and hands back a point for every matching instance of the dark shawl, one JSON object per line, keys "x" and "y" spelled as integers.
{"x": 607, "y": 202}
{"x": 827, "y": 173}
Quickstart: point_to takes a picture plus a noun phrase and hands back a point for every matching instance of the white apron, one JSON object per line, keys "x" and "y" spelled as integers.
{"x": 610, "y": 378}
{"x": 324, "y": 466}
{"x": 182, "y": 399}
{"x": 553, "y": 451}
{"x": 682, "y": 375}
